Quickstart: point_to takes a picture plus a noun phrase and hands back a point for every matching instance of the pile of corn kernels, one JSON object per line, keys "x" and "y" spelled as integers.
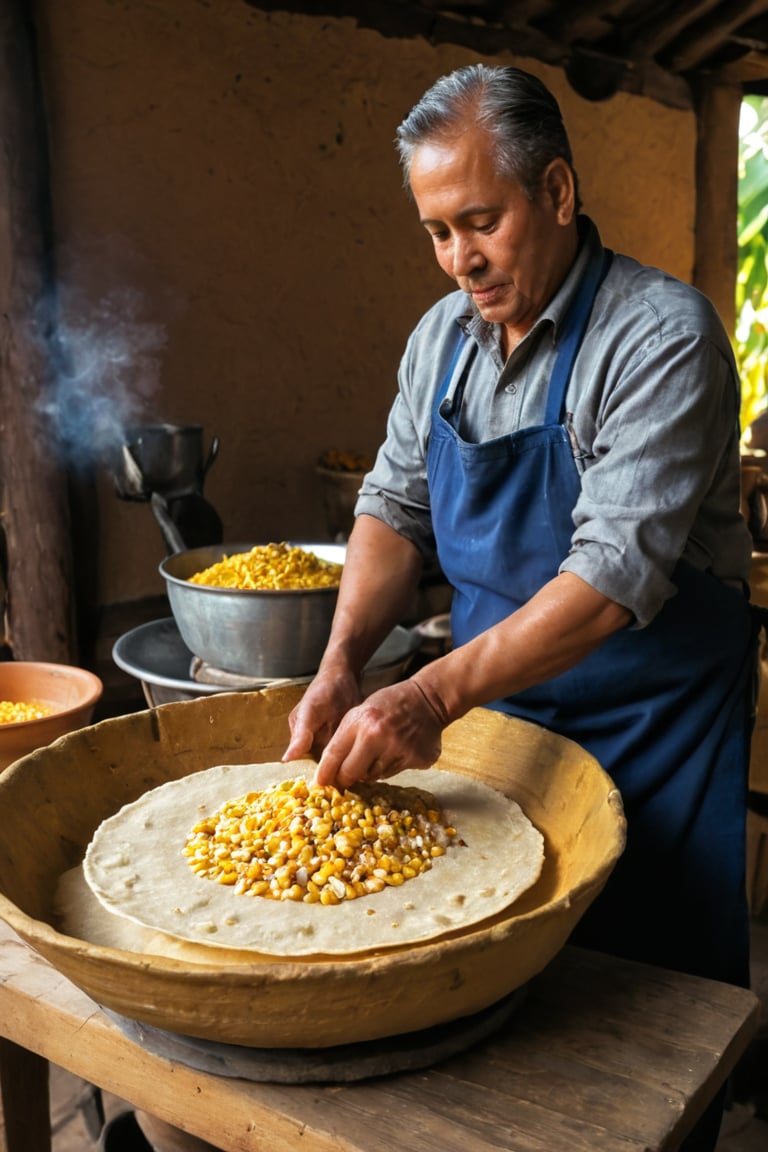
{"x": 270, "y": 567}
{"x": 316, "y": 844}
{"x": 18, "y": 711}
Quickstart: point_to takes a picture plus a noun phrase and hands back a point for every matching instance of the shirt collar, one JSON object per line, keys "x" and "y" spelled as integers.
{"x": 589, "y": 244}
{"x": 555, "y": 311}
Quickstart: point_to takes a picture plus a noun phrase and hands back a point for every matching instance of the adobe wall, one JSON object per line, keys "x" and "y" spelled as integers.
{"x": 230, "y": 222}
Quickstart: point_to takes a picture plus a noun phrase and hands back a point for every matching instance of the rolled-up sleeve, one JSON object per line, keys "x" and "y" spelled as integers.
{"x": 652, "y": 407}
{"x": 656, "y": 488}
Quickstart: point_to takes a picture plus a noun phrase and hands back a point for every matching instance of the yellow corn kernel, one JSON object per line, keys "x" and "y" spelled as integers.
{"x": 300, "y": 842}
{"x": 295, "y": 892}
{"x": 20, "y": 711}
{"x": 325, "y": 870}
{"x": 270, "y": 567}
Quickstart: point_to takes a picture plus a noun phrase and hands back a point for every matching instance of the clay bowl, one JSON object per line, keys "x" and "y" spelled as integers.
{"x": 52, "y": 801}
{"x": 71, "y": 693}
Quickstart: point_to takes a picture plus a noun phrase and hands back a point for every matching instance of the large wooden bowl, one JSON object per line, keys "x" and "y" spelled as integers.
{"x": 52, "y": 801}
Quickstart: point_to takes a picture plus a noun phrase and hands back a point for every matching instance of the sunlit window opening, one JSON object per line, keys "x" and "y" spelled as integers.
{"x": 751, "y": 335}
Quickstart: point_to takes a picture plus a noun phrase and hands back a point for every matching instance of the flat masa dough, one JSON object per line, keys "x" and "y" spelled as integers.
{"x": 136, "y": 868}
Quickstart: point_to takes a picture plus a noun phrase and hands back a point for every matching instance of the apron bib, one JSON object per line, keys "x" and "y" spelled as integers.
{"x": 666, "y": 710}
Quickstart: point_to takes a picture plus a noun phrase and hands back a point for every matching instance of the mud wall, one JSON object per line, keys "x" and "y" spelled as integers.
{"x": 235, "y": 250}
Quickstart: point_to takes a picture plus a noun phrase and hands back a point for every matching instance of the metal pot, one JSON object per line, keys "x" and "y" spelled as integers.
{"x": 269, "y": 634}
{"x": 162, "y": 458}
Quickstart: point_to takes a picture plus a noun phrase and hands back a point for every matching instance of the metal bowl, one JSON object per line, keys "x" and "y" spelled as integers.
{"x": 269, "y": 634}
{"x": 52, "y": 801}
{"x": 157, "y": 656}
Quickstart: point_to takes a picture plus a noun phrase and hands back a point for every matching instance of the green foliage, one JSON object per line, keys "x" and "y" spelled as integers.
{"x": 751, "y": 336}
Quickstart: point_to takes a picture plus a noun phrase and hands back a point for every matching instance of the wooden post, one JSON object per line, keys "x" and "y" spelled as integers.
{"x": 24, "y": 1091}
{"x": 34, "y": 511}
{"x": 718, "y": 107}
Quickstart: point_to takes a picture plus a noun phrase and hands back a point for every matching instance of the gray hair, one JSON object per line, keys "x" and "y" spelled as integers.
{"x": 517, "y": 109}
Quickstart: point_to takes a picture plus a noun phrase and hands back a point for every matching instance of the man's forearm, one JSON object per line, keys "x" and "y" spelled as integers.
{"x": 558, "y": 627}
{"x": 381, "y": 574}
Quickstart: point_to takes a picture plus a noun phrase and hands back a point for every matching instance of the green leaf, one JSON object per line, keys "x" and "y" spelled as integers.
{"x": 754, "y": 225}
{"x": 751, "y": 340}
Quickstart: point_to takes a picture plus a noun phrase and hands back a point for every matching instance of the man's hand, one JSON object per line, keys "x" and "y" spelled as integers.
{"x": 394, "y": 728}
{"x": 316, "y": 717}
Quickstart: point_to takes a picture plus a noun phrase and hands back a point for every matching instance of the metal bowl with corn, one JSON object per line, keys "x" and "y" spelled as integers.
{"x": 261, "y": 610}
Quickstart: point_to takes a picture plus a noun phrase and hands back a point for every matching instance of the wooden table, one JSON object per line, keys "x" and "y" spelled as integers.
{"x": 602, "y": 1055}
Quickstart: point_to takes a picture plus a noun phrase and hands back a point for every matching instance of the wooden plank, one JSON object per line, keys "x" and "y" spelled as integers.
{"x": 553, "y": 1082}
{"x": 651, "y": 34}
{"x": 534, "y": 1088}
{"x": 711, "y": 33}
{"x": 671, "y": 1041}
{"x": 583, "y": 22}
{"x": 749, "y": 70}
{"x": 454, "y": 1113}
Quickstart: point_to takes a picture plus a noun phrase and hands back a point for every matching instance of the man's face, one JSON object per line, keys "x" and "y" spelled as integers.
{"x": 508, "y": 252}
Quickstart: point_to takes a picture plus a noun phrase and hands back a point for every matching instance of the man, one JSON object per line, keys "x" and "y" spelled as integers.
{"x": 566, "y": 435}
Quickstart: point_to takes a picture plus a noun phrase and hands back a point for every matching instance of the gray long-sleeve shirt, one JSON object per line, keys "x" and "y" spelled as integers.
{"x": 653, "y": 406}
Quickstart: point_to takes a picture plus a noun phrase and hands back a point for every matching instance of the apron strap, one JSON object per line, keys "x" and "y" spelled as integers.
{"x": 573, "y": 328}
{"x": 446, "y": 382}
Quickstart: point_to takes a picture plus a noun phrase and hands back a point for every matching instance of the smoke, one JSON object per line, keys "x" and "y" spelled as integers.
{"x": 106, "y": 360}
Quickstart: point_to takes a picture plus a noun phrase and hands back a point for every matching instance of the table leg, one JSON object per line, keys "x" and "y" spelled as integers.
{"x": 24, "y": 1093}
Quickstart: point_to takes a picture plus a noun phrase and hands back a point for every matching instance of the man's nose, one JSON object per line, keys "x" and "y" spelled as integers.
{"x": 467, "y": 257}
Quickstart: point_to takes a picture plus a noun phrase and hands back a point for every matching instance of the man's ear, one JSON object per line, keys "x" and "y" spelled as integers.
{"x": 559, "y": 187}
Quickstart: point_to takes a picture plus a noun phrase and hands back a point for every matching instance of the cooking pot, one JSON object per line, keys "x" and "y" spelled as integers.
{"x": 265, "y": 634}
{"x": 162, "y": 458}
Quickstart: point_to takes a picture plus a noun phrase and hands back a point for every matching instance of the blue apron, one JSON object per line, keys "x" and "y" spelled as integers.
{"x": 665, "y": 709}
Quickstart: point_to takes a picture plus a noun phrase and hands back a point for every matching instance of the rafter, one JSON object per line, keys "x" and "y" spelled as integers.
{"x": 657, "y": 38}
{"x": 649, "y": 35}
{"x": 709, "y": 34}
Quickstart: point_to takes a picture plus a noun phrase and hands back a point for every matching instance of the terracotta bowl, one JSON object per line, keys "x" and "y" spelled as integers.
{"x": 52, "y": 801}
{"x": 71, "y": 693}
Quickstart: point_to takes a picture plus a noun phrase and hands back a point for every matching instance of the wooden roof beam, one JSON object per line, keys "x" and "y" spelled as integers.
{"x": 649, "y": 37}
{"x": 588, "y": 20}
{"x": 751, "y": 71}
{"x": 709, "y": 34}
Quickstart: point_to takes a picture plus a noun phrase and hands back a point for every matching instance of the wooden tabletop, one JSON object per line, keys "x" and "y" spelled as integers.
{"x": 603, "y": 1054}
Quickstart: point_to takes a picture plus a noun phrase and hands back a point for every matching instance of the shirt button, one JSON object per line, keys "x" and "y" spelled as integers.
{"x": 511, "y": 388}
